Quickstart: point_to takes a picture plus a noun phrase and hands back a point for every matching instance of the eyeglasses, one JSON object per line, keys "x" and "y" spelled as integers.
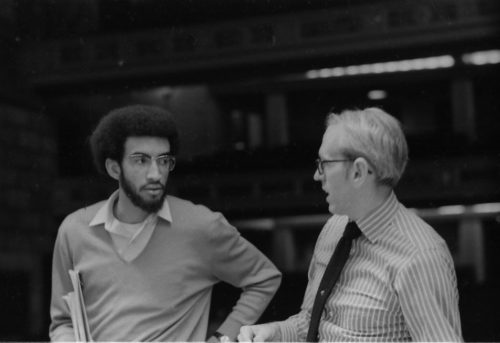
{"x": 321, "y": 168}
{"x": 164, "y": 162}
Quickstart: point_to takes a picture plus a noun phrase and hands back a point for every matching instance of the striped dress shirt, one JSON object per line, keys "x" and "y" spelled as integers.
{"x": 399, "y": 283}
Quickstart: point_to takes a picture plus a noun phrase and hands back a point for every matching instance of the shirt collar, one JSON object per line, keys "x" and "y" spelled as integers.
{"x": 376, "y": 224}
{"x": 105, "y": 214}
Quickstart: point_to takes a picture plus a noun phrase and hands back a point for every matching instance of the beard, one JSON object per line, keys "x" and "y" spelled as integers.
{"x": 149, "y": 206}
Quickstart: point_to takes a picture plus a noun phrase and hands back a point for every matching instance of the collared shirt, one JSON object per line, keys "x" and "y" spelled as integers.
{"x": 129, "y": 240}
{"x": 399, "y": 283}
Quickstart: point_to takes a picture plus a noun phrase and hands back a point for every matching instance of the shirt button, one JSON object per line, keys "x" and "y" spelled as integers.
{"x": 322, "y": 293}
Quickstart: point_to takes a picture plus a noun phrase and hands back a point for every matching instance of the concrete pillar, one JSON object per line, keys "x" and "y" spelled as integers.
{"x": 462, "y": 104}
{"x": 276, "y": 120}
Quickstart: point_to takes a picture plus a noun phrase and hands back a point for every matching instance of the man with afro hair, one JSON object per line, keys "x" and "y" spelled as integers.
{"x": 148, "y": 260}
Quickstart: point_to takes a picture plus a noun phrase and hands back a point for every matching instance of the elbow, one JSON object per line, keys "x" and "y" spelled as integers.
{"x": 275, "y": 281}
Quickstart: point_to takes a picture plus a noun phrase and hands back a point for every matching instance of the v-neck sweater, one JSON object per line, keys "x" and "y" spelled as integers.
{"x": 164, "y": 294}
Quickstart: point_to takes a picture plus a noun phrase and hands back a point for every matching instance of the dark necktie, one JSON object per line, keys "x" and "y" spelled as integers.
{"x": 332, "y": 273}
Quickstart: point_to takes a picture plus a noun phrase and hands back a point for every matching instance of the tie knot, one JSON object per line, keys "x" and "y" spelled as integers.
{"x": 352, "y": 230}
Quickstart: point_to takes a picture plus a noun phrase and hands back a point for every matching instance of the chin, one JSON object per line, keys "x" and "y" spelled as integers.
{"x": 331, "y": 209}
{"x": 152, "y": 201}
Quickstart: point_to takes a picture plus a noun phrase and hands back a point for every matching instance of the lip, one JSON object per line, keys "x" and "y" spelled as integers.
{"x": 327, "y": 196}
{"x": 153, "y": 190}
{"x": 153, "y": 187}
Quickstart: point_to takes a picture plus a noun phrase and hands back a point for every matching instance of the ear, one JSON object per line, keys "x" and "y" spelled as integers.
{"x": 360, "y": 171}
{"x": 113, "y": 168}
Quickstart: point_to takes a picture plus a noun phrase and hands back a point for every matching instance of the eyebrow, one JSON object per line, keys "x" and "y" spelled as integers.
{"x": 144, "y": 154}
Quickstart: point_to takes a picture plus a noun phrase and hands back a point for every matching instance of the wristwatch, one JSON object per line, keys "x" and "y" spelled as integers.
{"x": 221, "y": 338}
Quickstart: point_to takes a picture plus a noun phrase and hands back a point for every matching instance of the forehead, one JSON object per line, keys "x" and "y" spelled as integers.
{"x": 332, "y": 142}
{"x": 147, "y": 145}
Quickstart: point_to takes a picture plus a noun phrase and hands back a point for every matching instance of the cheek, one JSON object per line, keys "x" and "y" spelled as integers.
{"x": 330, "y": 182}
{"x": 335, "y": 186}
{"x": 132, "y": 177}
{"x": 165, "y": 177}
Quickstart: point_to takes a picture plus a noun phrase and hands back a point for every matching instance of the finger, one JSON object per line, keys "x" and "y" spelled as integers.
{"x": 266, "y": 334}
{"x": 246, "y": 334}
{"x": 260, "y": 337}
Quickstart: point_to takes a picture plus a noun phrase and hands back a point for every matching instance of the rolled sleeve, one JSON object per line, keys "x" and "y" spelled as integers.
{"x": 288, "y": 330}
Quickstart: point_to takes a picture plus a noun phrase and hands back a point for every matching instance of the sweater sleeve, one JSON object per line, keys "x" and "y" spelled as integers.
{"x": 61, "y": 328}
{"x": 236, "y": 261}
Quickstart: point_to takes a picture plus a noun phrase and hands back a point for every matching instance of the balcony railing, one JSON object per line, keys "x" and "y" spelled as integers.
{"x": 358, "y": 29}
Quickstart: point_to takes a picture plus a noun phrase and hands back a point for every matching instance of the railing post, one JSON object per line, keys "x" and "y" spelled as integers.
{"x": 284, "y": 250}
{"x": 471, "y": 246}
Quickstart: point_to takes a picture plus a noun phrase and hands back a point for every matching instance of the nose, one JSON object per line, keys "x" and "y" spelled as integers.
{"x": 316, "y": 176}
{"x": 154, "y": 172}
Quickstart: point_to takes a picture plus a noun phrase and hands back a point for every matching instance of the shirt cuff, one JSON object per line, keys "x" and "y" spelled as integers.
{"x": 288, "y": 331}
{"x": 230, "y": 327}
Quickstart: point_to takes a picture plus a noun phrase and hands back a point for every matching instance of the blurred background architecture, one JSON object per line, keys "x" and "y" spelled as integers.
{"x": 250, "y": 82}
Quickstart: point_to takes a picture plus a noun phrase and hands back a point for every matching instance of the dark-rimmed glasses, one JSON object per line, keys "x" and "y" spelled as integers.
{"x": 321, "y": 168}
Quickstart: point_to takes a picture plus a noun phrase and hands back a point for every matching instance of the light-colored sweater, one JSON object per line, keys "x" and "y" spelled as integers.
{"x": 163, "y": 294}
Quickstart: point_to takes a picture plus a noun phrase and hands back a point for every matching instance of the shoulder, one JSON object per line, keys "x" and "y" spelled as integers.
{"x": 185, "y": 210}
{"x": 205, "y": 226}
{"x": 419, "y": 242}
{"x": 417, "y": 233}
{"x": 425, "y": 252}
{"x": 193, "y": 216}
{"x": 81, "y": 217}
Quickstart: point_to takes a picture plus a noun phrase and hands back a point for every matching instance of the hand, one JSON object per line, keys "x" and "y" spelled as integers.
{"x": 222, "y": 339}
{"x": 259, "y": 333}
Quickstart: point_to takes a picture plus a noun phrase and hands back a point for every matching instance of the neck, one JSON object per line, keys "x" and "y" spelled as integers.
{"x": 125, "y": 211}
{"x": 369, "y": 201}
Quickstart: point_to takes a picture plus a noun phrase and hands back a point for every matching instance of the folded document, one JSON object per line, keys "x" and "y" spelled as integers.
{"x": 76, "y": 305}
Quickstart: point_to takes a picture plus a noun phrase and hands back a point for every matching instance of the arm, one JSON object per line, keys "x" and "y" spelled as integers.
{"x": 239, "y": 263}
{"x": 293, "y": 329}
{"x": 61, "y": 328}
{"x": 429, "y": 297}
